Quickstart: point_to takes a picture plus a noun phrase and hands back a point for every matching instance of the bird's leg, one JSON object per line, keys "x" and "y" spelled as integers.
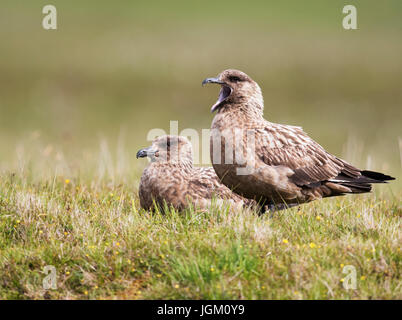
{"x": 269, "y": 208}
{"x": 272, "y": 209}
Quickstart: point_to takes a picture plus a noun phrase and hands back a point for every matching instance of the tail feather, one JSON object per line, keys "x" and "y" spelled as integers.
{"x": 378, "y": 176}
{"x": 361, "y": 184}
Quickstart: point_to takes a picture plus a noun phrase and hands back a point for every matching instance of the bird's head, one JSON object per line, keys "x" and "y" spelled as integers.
{"x": 169, "y": 148}
{"x": 236, "y": 88}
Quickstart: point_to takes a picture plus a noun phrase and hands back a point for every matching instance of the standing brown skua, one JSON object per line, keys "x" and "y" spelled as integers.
{"x": 277, "y": 165}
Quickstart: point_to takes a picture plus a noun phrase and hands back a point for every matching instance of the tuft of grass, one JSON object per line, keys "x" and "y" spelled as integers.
{"x": 103, "y": 246}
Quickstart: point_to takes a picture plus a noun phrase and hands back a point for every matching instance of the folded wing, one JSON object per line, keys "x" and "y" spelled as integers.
{"x": 290, "y": 146}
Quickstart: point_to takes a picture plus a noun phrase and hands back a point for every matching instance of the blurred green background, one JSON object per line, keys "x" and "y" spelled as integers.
{"x": 113, "y": 70}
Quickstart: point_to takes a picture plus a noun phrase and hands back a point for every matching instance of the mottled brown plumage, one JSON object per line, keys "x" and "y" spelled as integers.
{"x": 287, "y": 166}
{"x": 171, "y": 179}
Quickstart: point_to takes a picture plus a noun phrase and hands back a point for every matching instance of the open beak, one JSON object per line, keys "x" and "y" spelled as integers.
{"x": 145, "y": 152}
{"x": 225, "y": 92}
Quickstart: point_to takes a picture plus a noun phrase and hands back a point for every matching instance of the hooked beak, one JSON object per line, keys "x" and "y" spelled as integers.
{"x": 145, "y": 152}
{"x": 212, "y": 80}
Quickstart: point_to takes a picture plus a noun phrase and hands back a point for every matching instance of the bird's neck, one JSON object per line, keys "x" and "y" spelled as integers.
{"x": 246, "y": 111}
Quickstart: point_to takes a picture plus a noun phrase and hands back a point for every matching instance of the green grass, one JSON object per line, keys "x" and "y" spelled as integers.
{"x": 77, "y": 103}
{"x": 104, "y": 246}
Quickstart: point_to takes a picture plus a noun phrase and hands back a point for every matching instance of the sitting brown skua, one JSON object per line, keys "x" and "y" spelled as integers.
{"x": 171, "y": 179}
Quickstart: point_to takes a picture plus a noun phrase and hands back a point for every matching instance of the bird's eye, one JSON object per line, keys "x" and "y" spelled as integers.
{"x": 234, "y": 79}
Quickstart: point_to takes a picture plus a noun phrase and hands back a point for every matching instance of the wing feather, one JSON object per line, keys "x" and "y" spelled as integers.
{"x": 204, "y": 183}
{"x": 281, "y": 145}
